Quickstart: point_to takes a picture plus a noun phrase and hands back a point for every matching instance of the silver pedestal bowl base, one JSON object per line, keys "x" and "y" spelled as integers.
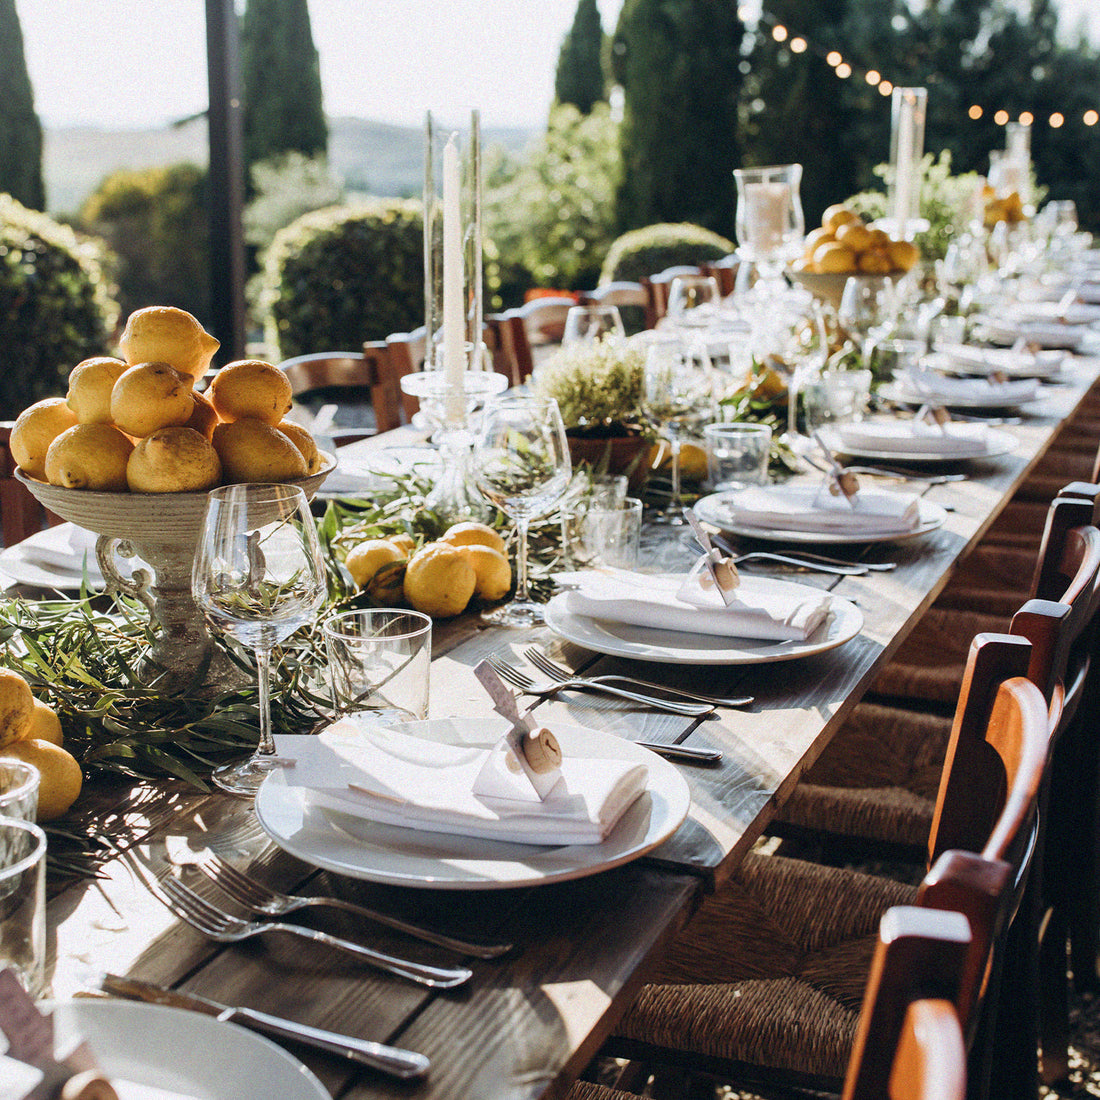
{"x": 163, "y": 530}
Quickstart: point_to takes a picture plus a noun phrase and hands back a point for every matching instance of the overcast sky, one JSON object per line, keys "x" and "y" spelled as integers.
{"x": 137, "y": 63}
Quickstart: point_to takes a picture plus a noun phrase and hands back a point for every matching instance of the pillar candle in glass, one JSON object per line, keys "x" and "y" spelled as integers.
{"x": 453, "y": 249}
{"x": 908, "y": 109}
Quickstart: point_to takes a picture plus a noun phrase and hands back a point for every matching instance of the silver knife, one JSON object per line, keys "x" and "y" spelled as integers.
{"x": 391, "y": 1060}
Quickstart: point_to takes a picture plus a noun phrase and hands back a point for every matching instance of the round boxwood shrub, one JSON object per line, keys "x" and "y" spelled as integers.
{"x": 667, "y": 244}
{"x": 55, "y": 305}
{"x": 338, "y": 276}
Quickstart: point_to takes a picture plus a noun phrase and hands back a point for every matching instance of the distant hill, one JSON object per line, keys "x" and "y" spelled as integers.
{"x": 369, "y": 156}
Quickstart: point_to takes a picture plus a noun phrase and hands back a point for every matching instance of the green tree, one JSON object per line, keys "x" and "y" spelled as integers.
{"x": 580, "y": 79}
{"x": 678, "y": 62}
{"x": 281, "y": 82}
{"x": 155, "y": 221}
{"x": 20, "y": 130}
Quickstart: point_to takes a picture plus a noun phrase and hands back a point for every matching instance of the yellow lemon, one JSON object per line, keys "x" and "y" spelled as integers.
{"x": 90, "y": 385}
{"x": 61, "y": 778}
{"x": 173, "y": 460}
{"x": 36, "y": 427}
{"x": 833, "y": 257}
{"x": 856, "y": 236}
{"x": 814, "y": 238}
{"x": 305, "y": 443}
{"x": 253, "y": 450}
{"x": 364, "y": 560}
{"x": 203, "y": 418}
{"x": 168, "y": 335}
{"x": 493, "y": 572}
{"x": 439, "y": 580}
{"x": 250, "y": 388}
{"x": 693, "y": 460}
{"x": 875, "y": 261}
{"x": 89, "y": 456}
{"x": 149, "y": 396}
{"x": 472, "y": 533}
{"x": 903, "y": 255}
{"x": 45, "y": 725}
{"x": 404, "y": 542}
{"x": 16, "y": 707}
{"x": 837, "y": 215}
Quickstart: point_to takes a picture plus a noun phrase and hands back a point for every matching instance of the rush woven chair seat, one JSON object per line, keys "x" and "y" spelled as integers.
{"x": 910, "y": 1043}
{"x": 877, "y": 779}
{"x": 767, "y": 978}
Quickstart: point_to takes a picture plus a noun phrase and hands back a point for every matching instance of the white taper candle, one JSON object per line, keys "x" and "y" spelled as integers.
{"x": 454, "y": 313}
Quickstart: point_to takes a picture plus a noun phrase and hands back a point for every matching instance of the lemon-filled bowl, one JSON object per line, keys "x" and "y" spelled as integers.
{"x": 162, "y": 529}
{"x": 825, "y": 286}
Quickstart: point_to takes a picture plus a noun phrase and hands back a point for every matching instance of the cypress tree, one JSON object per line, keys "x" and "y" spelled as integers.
{"x": 20, "y": 130}
{"x": 579, "y": 79}
{"x": 678, "y": 64}
{"x": 281, "y": 82}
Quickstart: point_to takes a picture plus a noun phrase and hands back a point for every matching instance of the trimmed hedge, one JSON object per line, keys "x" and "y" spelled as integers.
{"x": 666, "y": 244}
{"x": 55, "y": 305}
{"x": 338, "y": 276}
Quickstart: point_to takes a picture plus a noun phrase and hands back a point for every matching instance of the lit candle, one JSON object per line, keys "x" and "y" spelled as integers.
{"x": 768, "y": 205}
{"x": 454, "y": 313}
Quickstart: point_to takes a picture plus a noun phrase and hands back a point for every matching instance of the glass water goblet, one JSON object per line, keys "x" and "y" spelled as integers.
{"x": 586, "y": 324}
{"x": 676, "y": 397}
{"x": 869, "y": 310}
{"x": 522, "y": 465}
{"x": 258, "y": 576}
{"x": 694, "y": 302}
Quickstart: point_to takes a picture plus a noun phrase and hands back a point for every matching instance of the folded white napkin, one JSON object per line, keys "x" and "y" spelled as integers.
{"x": 876, "y": 512}
{"x": 915, "y": 437}
{"x": 662, "y": 601}
{"x": 1077, "y": 313}
{"x": 1047, "y": 334}
{"x": 1024, "y": 364}
{"x": 930, "y": 386}
{"x": 386, "y": 775}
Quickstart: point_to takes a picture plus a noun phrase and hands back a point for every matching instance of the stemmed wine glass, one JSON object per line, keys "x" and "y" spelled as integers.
{"x": 258, "y": 576}
{"x": 522, "y": 465}
{"x": 676, "y": 396}
{"x": 869, "y": 309}
{"x": 586, "y": 324}
{"x": 693, "y": 302}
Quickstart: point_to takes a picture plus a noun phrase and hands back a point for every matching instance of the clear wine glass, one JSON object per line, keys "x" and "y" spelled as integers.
{"x": 586, "y": 324}
{"x": 869, "y": 310}
{"x": 676, "y": 397}
{"x": 258, "y": 576}
{"x": 522, "y": 465}
{"x": 694, "y": 302}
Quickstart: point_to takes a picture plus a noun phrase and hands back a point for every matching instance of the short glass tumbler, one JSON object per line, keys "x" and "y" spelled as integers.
{"x": 379, "y": 661}
{"x": 23, "y": 903}
{"x": 18, "y": 790}
{"x": 737, "y": 454}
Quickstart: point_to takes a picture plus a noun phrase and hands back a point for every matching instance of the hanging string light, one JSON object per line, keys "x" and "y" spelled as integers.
{"x": 843, "y": 69}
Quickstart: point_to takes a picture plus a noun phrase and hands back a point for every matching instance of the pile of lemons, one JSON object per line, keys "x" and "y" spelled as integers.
{"x": 1001, "y": 208}
{"x": 137, "y": 424}
{"x": 846, "y": 245}
{"x": 31, "y": 731}
{"x": 468, "y": 562}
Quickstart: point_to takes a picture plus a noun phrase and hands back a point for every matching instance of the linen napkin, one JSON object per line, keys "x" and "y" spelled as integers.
{"x": 874, "y": 513}
{"x": 382, "y": 774}
{"x": 930, "y": 386}
{"x": 953, "y": 440}
{"x": 1047, "y": 334}
{"x": 761, "y": 609}
{"x": 1019, "y": 363}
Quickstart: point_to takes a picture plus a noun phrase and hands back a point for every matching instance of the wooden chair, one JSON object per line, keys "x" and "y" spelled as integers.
{"x": 20, "y": 513}
{"x": 656, "y": 288}
{"x": 533, "y": 330}
{"x": 725, "y": 271}
{"x": 909, "y": 1045}
{"x": 359, "y": 377}
{"x": 629, "y": 298}
{"x": 763, "y": 983}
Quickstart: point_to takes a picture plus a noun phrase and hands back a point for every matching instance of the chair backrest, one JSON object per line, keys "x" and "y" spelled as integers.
{"x": 930, "y": 1063}
{"x": 538, "y": 324}
{"x": 360, "y": 376}
{"x": 919, "y": 958}
{"x": 725, "y": 272}
{"x": 20, "y": 513}
{"x": 629, "y": 298}
{"x": 657, "y": 288}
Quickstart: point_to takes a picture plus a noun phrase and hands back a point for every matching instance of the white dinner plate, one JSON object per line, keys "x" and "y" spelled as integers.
{"x": 711, "y": 510}
{"x": 997, "y": 443}
{"x": 185, "y": 1052}
{"x": 369, "y": 472}
{"x": 674, "y": 647}
{"x": 968, "y": 362}
{"x": 893, "y": 391}
{"x": 353, "y": 845}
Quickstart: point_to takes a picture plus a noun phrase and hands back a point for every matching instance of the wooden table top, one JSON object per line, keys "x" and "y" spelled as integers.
{"x": 528, "y": 1023}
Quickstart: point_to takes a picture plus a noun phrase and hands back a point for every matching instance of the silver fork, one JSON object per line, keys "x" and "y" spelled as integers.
{"x": 226, "y": 928}
{"x": 560, "y": 673}
{"x": 815, "y": 563}
{"x": 529, "y": 687}
{"x": 261, "y": 898}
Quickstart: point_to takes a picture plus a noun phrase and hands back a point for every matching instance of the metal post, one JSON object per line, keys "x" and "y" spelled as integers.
{"x": 226, "y": 180}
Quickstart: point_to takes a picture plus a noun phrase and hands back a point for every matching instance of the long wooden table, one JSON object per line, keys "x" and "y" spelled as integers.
{"x": 528, "y": 1023}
